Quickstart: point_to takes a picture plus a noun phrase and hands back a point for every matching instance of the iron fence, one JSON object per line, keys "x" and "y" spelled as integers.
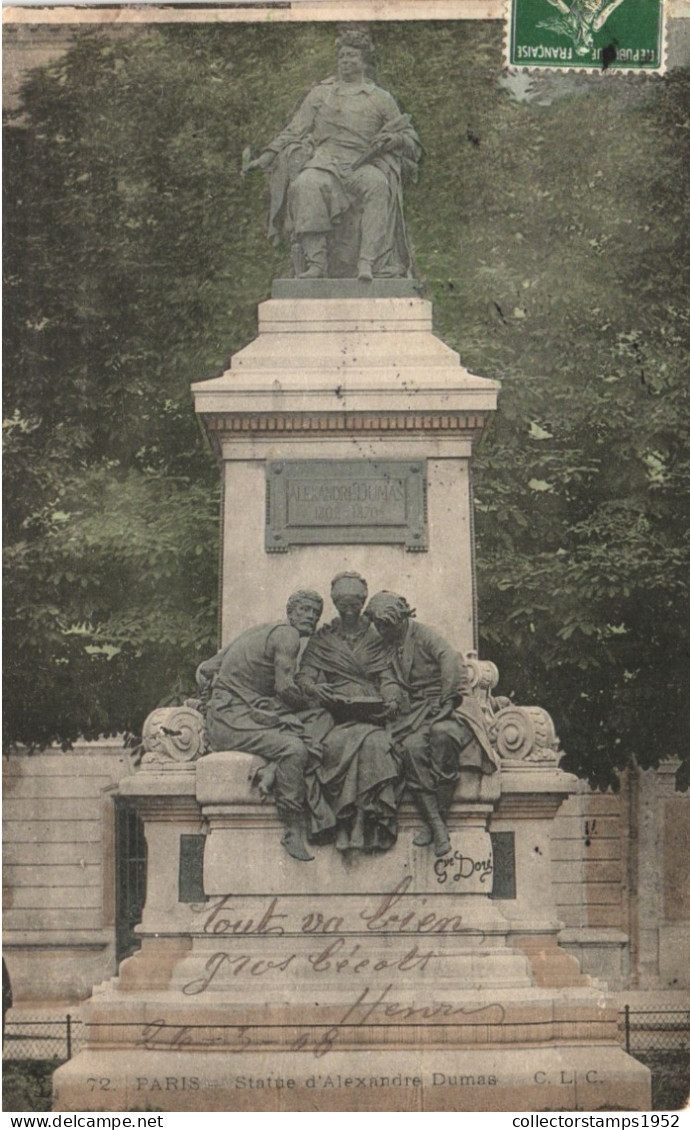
{"x": 62, "y": 1037}
{"x": 39, "y": 1038}
{"x": 645, "y": 1031}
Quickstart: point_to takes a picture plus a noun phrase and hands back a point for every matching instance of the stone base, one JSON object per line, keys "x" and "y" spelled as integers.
{"x": 510, "y": 1079}
{"x": 345, "y": 288}
{"x": 58, "y": 971}
{"x": 391, "y": 982}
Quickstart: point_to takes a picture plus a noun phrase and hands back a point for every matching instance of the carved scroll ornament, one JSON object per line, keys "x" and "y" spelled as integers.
{"x": 518, "y": 733}
{"x": 173, "y": 736}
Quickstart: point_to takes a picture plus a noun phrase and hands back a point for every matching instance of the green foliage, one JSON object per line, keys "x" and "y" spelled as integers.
{"x": 670, "y": 1078}
{"x": 27, "y": 1084}
{"x": 547, "y": 229}
{"x": 583, "y": 485}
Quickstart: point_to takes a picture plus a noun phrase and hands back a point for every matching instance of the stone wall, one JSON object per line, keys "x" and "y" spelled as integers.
{"x": 59, "y": 869}
{"x": 622, "y": 880}
{"x": 663, "y": 881}
{"x": 590, "y": 858}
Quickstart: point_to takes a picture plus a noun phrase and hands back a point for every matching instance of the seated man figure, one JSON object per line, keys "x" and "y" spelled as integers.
{"x": 440, "y": 730}
{"x": 252, "y": 704}
{"x": 343, "y": 156}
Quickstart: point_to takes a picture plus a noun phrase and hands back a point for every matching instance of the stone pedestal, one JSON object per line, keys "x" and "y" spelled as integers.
{"x": 395, "y": 982}
{"x": 347, "y": 378}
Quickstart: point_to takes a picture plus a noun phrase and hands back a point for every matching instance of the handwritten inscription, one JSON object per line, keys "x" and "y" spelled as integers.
{"x": 395, "y": 911}
{"x": 337, "y": 957}
{"x": 337, "y": 946}
{"x": 412, "y": 920}
{"x": 458, "y": 866}
{"x": 369, "y": 1008}
{"x": 268, "y": 923}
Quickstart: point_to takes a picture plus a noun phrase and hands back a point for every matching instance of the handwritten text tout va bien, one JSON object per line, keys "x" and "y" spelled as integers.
{"x": 395, "y": 912}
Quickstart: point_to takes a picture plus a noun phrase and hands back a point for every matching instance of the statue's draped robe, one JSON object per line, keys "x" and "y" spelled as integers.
{"x": 358, "y": 767}
{"x": 332, "y": 129}
{"x": 430, "y": 673}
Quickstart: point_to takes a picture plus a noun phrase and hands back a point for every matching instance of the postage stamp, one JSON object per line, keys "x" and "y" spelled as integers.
{"x": 591, "y": 35}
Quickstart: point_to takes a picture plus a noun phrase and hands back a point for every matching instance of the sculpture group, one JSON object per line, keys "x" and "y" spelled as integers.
{"x": 376, "y": 704}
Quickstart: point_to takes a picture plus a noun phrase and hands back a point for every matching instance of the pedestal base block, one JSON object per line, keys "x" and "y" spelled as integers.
{"x": 434, "y": 1079}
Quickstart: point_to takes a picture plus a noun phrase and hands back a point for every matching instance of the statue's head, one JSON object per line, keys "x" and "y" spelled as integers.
{"x": 349, "y": 593}
{"x": 354, "y": 51}
{"x": 304, "y": 610}
{"x": 389, "y": 613}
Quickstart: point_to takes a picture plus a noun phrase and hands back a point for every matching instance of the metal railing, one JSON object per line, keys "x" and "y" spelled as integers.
{"x": 31, "y": 1038}
{"x": 660, "y": 1031}
{"x": 641, "y": 1032}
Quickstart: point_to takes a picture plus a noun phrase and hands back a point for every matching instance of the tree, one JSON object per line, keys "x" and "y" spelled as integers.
{"x": 551, "y": 246}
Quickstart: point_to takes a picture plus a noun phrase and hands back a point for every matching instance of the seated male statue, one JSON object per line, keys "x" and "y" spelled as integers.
{"x": 440, "y": 730}
{"x": 336, "y": 174}
{"x": 252, "y": 704}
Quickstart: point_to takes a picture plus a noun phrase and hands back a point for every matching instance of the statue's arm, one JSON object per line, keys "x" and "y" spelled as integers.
{"x": 454, "y": 678}
{"x": 284, "y": 642}
{"x": 391, "y": 692}
{"x": 312, "y": 680}
{"x": 300, "y": 126}
{"x": 206, "y": 671}
{"x": 397, "y": 132}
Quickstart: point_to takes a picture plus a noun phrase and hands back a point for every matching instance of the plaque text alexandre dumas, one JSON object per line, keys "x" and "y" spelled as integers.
{"x": 335, "y": 501}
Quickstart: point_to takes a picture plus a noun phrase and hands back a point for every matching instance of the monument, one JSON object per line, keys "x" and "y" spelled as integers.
{"x": 349, "y": 894}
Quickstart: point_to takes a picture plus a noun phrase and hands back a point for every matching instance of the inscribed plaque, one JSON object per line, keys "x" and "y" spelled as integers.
{"x": 336, "y": 501}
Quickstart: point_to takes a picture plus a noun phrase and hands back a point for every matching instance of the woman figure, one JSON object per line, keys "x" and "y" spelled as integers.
{"x": 345, "y": 669}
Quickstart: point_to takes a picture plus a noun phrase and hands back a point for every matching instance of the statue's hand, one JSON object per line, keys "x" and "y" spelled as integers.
{"x": 445, "y": 710}
{"x": 293, "y": 698}
{"x": 385, "y": 142}
{"x": 317, "y": 692}
{"x": 323, "y": 695}
{"x": 204, "y": 686}
{"x": 264, "y": 161}
{"x": 265, "y": 778}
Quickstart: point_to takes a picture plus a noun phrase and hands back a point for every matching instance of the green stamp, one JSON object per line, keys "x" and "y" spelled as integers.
{"x": 591, "y": 35}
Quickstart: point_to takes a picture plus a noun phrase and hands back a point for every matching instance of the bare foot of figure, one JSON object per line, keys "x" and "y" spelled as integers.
{"x": 265, "y": 779}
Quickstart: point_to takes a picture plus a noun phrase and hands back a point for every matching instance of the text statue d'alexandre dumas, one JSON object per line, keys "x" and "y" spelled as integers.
{"x": 336, "y": 174}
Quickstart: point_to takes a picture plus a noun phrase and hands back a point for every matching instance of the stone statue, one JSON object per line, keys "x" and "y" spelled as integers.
{"x": 440, "y": 729}
{"x": 253, "y": 705}
{"x": 336, "y": 174}
{"x": 345, "y": 669}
